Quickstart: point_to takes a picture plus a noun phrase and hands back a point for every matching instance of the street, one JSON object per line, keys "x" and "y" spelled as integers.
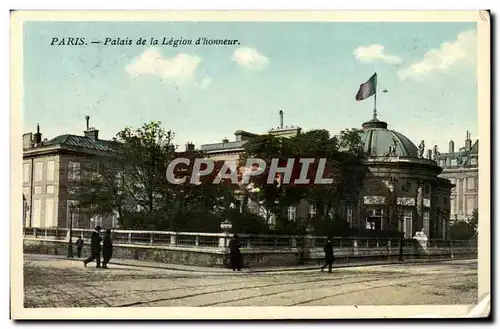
{"x": 58, "y": 282}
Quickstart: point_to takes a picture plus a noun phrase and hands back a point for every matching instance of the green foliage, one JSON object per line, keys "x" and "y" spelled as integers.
{"x": 462, "y": 230}
{"x": 343, "y": 166}
{"x": 133, "y": 182}
{"x": 474, "y": 221}
{"x": 247, "y": 222}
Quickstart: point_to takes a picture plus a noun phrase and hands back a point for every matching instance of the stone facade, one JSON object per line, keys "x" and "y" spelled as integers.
{"x": 461, "y": 169}
{"x": 49, "y": 167}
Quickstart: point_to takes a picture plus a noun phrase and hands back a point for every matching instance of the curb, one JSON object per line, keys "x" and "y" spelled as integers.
{"x": 278, "y": 269}
{"x": 220, "y": 270}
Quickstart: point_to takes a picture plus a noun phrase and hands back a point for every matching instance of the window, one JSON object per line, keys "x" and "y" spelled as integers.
{"x": 349, "y": 215}
{"x": 407, "y": 223}
{"x": 38, "y": 190}
{"x": 36, "y": 222}
{"x": 50, "y": 170}
{"x": 471, "y": 205}
{"x": 442, "y": 162}
{"x": 38, "y": 171}
{"x": 453, "y": 162}
{"x": 292, "y": 213}
{"x": 374, "y": 219}
{"x": 453, "y": 206}
{"x": 473, "y": 161}
{"x": 26, "y": 173}
{"x": 426, "y": 221}
{"x": 471, "y": 183}
{"x": 312, "y": 211}
{"x": 50, "y": 189}
{"x": 73, "y": 170}
{"x": 49, "y": 213}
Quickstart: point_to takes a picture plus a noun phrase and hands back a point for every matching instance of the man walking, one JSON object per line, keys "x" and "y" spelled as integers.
{"x": 95, "y": 248}
{"x": 329, "y": 256}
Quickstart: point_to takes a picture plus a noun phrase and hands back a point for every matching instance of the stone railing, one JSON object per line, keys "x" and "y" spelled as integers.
{"x": 248, "y": 241}
{"x": 211, "y": 249}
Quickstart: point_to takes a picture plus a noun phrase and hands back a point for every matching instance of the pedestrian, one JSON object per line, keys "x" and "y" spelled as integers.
{"x": 235, "y": 253}
{"x": 79, "y": 246}
{"x": 329, "y": 256}
{"x": 95, "y": 248}
{"x": 107, "y": 248}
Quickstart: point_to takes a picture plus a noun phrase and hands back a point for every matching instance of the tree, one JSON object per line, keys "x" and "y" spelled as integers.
{"x": 131, "y": 181}
{"x": 474, "y": 221}
{"x": 343, "y": 161}
{"x": 462, "y": 230}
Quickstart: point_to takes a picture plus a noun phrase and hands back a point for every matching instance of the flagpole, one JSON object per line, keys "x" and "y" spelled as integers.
{"x": 375, "y": 98}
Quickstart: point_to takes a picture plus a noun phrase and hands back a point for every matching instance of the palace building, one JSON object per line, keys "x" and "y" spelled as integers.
{"x": 461, "y": 168}
{"x": 401, "y": 190}
{"x": 401, "y": 185}
{"x": 49, "y": 166}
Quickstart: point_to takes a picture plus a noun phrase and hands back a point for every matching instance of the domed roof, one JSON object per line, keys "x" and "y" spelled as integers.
{"x": 380, "y": 141}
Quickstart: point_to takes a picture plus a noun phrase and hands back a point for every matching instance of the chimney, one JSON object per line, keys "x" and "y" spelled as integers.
{"x": 468, "y": 142}
{"x": 38, "y": 136}
{"x": 91, "y": 132}
{"x": 429, "y": 154}
{"x": 27, "y": 140}
{"x": 452, "y": 147}
{"x": 189, "y": 146}
{"x": 281, "y": 119}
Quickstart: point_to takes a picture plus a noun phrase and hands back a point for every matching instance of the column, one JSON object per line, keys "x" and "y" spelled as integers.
{"x": 418, "y": 224}
{"x": 460, "y": 197}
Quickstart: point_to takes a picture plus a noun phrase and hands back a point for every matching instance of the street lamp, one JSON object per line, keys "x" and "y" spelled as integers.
{"x": 226, "y": 226}
{"x": 401, "y": 247}
{"x": 70, "y": 243}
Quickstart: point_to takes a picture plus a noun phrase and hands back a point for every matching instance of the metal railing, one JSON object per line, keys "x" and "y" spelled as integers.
{"x": 248, "y": 241}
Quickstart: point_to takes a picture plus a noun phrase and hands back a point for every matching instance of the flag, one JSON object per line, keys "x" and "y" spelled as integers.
{"x": 367, "y": 89}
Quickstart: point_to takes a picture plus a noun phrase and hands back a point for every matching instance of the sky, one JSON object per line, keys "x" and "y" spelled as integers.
{"x": 310, "y": 70}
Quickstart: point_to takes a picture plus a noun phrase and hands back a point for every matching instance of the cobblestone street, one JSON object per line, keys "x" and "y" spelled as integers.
{"x": 58, "y": 282}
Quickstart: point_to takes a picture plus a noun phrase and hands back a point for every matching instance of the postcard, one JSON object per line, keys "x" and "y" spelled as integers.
{"x": 250, "y": 165}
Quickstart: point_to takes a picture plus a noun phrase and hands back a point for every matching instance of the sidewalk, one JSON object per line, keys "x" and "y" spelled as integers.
{"x": 219, "y": 270}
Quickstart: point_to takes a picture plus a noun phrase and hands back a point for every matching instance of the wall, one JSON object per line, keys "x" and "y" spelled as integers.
{"x": 42, "y": 198}
{"x": 219, "y": 257}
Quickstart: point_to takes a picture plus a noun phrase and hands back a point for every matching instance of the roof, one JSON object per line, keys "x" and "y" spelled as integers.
{"x": 84, "y": 142}
{"x": 223, "y": 146}
{"x": 475, "y": 147}
{"x": 378, "y": 141}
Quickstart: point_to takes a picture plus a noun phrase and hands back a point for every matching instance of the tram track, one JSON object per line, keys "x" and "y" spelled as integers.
{"x": 357, "y": 280}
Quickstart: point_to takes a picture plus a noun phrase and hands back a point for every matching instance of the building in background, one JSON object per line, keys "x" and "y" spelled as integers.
{"x": 461, "y": 168}
{"x": 49, "y": 167}
{"x": 231, "y": 150}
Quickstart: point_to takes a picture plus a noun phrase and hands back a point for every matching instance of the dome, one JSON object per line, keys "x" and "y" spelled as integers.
{"x": 380, "y": 141}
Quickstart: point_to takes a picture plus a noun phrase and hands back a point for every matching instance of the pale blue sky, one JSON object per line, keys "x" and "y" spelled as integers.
{"x": 206, "y": 93}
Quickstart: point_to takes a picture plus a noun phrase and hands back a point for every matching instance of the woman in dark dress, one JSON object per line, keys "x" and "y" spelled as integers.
{"x": 235, "y": 253}
{"x": 107, "y": 248}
